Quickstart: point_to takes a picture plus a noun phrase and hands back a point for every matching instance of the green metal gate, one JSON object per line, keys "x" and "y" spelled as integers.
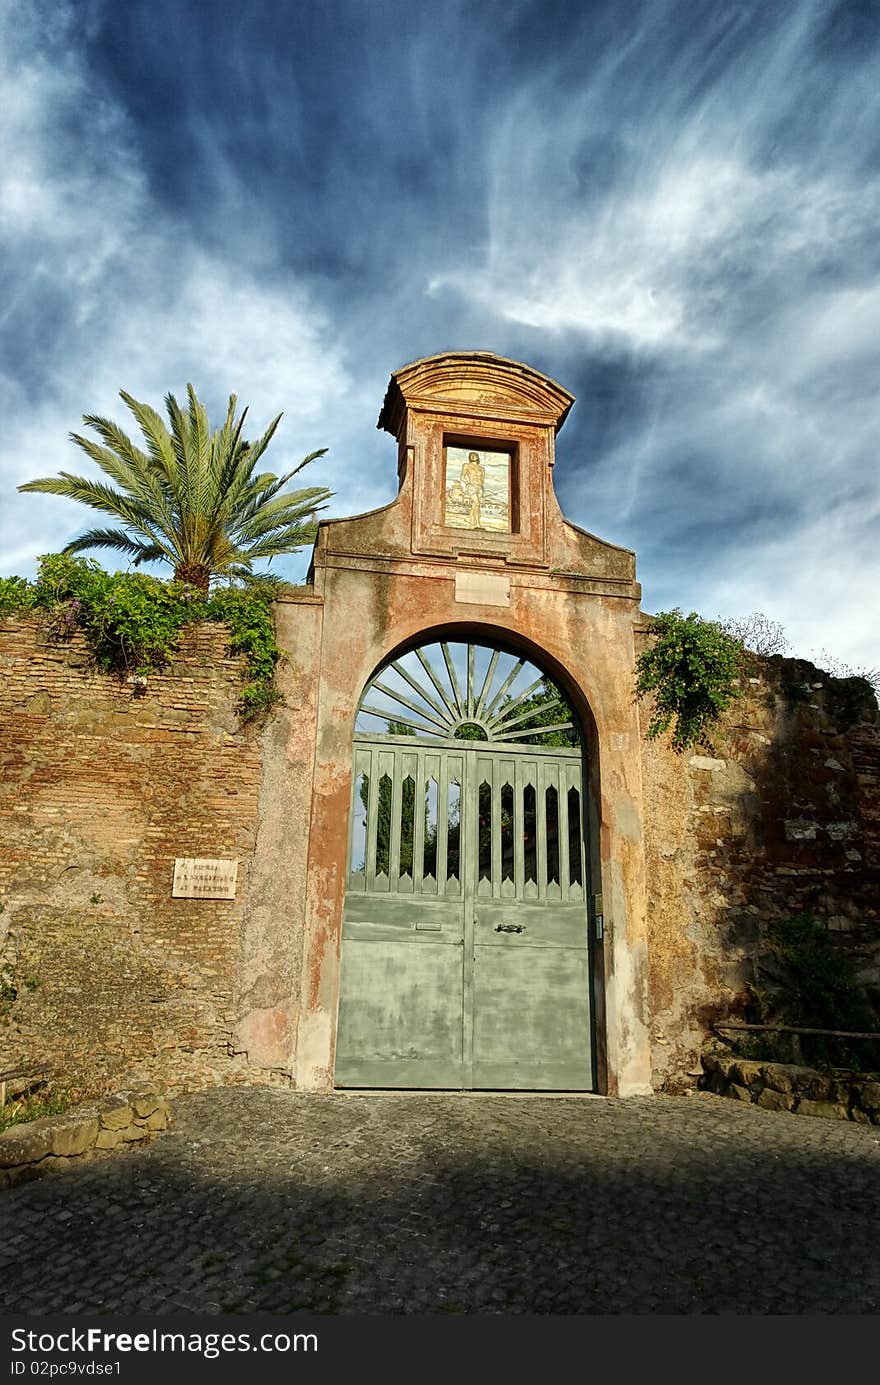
{"x": 465, "y": 952}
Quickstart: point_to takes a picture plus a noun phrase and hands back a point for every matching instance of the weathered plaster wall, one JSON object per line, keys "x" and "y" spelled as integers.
{"x": 402, "y": 575}
{"x": 784, "y": 818}
{"x": 272, "y": 944}
{"x": 100, "y": 789}
{"x": 588, "y": 643}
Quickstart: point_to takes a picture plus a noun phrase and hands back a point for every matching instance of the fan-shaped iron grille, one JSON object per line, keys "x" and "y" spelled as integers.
{"x": 467, "y": 692}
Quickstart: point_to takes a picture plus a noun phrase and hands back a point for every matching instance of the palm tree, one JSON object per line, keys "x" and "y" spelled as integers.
{"x": 192, "y": 498}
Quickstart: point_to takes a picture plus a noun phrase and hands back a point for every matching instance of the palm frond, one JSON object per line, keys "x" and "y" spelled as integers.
{"x": 281, "y": 512}
{"x": 256, "y": 449}
{"x": 200, "y": 445}
{"x": 139, "y": 480}
{"x": 153, "y": 553}
{"x": 283, "y": 541}
{"x": 264, "y": 488}
{"x": 265, "y": 578}
{"x": 118, "y": 441}
{"x": 225, "y": 442}
{"x": 158, "y": 440}
{"x": 178, "y": 432}
{"x": 93, "y": 493}
{"x": 120, "y": 540}
{"x": 319, "y": 452}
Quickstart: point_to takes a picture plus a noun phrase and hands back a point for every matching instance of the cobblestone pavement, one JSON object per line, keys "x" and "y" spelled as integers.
{"x": 267, "y": 1201}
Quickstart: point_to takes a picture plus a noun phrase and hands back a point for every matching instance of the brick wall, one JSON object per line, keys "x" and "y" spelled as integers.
{"x": 783, "y": 818}
{"x": 100, "y": 789}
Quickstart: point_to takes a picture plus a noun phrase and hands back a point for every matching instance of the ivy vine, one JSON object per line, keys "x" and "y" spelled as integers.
{"x": 133, "y": 622}
{"x": 692, "y": 669}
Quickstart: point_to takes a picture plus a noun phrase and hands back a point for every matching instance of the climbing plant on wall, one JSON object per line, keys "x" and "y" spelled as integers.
{"x": 691, "y": 669}
{"x": 132, "y": 622}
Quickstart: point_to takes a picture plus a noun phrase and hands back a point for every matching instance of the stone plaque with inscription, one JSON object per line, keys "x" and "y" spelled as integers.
{"x": 197, "y": 877}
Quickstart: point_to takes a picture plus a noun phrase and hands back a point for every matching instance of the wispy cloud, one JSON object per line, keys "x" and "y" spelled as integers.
{"x": 670, "y": 207}
{"x": 110, "y": 292}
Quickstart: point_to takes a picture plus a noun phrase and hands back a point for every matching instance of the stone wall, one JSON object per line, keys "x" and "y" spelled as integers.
{"x": 787, "y": 1087}
{"x": 53, "y": 1143}
{"x": 783, "y": 818}
{"x": 102, "y": 785}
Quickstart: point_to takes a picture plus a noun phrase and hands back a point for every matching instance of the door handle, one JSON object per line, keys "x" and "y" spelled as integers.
{"x": 509, "y": 928}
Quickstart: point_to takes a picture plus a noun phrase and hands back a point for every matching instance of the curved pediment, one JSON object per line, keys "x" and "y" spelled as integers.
{"x": 474, "y": 383}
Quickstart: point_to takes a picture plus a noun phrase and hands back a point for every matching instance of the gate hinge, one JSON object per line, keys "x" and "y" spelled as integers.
{"x": 598, "y": 917}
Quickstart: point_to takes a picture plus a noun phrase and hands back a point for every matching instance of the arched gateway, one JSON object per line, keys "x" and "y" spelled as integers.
{"x": 429, "y": 873}
{"x": 465, "y": 947}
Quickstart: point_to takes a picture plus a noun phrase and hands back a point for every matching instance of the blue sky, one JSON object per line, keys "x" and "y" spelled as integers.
{"x": 671, "y": 207}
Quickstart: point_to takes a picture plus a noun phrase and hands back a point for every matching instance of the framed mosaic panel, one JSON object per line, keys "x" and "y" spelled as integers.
{"x": 476, "y": 492}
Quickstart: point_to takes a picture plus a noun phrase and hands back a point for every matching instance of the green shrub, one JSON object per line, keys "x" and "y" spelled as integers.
{"x": 248, "y": 613}
{"x": 16, "y": 594}
{"x": 133, "y": 622}
{"x": 692, "y": 668}
{"x": 810, "y": 983}
{"x": 818, "y": 985}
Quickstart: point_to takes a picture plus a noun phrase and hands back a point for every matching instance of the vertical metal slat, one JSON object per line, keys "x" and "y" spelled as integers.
{"x": 519, "y": 828}
{"x": 541, "y": 826}
{"x": 396, "y": 804}
{"x": 562, "y": 780}
{"x": 419, "y": 806}
{"x": 496, "y": 827}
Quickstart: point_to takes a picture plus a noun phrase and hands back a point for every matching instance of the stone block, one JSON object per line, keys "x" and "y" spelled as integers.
{"x": 54, "y": 1163}
{"x": 745, "y": 1072}
{"x": 861, "y": 1117}
{"x": 778, "y": 1077}
{"x": 725, "y": 1066}
{"x": 158, "y": 1120}
{"x": 145, "y": 1103}
{"x": 828, "y": 1110}
{"x": 109, "y": 1139}
{"x": 134, "y": 1132}
{"x": 148, "y": 1086}
{"x": 25, "y": 1144}
{"x": 815, "y": 1088}
{"x": 706, "y": 762}
{"x": 115, "y": 1112}
{"x": 738, "y": 1093}
{"x": 74, "y": 1134}
{"x": 24, "y": 1173}
{"x": 774, "y": 1101}
{"x": 868, "y": 1095}
{"x": 800, "y": 830}
{"x": 839, "y": 831}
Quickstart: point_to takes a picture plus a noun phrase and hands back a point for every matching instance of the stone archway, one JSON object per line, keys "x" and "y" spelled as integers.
{"x": 474, "y": 545}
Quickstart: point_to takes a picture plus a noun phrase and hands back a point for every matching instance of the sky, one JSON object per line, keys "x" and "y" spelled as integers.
{"x": 670, "y": 207}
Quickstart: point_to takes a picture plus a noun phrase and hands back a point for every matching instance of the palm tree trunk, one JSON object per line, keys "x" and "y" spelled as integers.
{"x": 194, "y": 574}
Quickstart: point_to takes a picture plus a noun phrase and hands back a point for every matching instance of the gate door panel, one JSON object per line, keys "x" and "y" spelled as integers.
{"x": 531, "y": 1014}
{"x": 465, "y": 950}
{"x": 400, "y": 1015}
